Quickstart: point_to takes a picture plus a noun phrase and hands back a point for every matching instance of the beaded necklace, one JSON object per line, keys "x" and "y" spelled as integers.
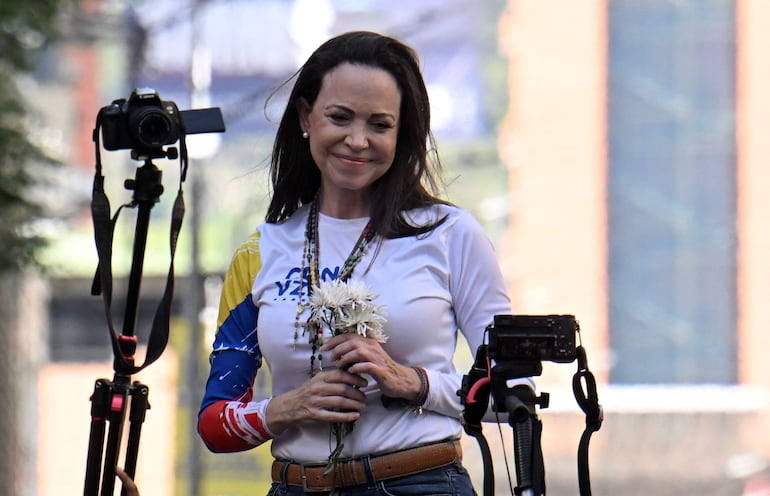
{"x": 310, "y": 262}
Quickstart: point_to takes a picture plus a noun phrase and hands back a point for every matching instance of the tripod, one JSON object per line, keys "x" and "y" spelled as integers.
{"x": 478, "y": 385}
{"x": 520, "y": 403}
{"x": 112, "y": 400}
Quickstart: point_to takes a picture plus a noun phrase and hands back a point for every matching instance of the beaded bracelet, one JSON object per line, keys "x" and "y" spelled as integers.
{"x": 422, "y": 396}
{"x": 418, "y": 402}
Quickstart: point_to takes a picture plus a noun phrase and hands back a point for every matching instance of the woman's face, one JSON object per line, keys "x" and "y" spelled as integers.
{"x": 352, "y": 126}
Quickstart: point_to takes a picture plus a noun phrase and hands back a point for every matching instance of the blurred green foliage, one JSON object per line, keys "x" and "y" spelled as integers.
{"x": 26, "y": 26}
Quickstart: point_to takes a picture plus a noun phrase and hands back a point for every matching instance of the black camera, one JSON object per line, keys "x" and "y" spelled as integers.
{"x": 532, "y": 338}
{"x": 145, "y": 122}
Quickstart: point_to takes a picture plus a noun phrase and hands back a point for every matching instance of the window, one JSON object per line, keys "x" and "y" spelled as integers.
{"x": 671, "y": 191}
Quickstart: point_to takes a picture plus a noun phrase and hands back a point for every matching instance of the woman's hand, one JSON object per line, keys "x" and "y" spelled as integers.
{"x": 360, "y": 355}
{"x": 331, "y": 395}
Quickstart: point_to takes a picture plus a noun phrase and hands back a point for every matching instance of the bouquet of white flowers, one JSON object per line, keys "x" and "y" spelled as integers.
{"x": 343, "y": 307}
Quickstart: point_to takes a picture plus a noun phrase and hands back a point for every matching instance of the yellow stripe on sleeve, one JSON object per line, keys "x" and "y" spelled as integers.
{"x": 240, "y": 276}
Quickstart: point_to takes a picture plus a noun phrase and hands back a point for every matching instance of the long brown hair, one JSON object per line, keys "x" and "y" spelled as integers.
{"x": 414, "y": 179}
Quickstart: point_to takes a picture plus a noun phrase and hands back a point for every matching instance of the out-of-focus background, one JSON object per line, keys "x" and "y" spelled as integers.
{"x": 614, "y": 151}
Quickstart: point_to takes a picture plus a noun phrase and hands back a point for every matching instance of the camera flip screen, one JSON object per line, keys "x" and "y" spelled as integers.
{"x": 208, "y": 120}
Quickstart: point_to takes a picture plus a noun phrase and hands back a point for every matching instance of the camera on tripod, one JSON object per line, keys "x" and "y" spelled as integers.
{"x": 145, "y": 122}
{"x": 533, "y": 338}
{"x": 519, "y": 344}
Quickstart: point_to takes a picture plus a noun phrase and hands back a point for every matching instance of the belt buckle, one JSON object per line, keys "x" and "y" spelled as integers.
{"x": 305, "y": 487}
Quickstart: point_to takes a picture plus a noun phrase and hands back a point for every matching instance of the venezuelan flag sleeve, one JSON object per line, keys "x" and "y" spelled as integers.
{"x": 228, "y": 419}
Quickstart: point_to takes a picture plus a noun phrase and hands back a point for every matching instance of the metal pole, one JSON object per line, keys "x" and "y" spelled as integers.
{"x": 192, "y": 379}
{"x": 194, "y": 384}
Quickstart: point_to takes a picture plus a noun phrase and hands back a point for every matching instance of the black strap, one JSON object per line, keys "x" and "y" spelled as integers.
{"x": 104, "y": 228}
{"x": 538, "y": 463}
{"x": 474, "y": 395}
{"x": 588, "y": 400}
{"x": 486, "y": 458}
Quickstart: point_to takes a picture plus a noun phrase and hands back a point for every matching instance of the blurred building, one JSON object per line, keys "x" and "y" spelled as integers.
{"x": 639, "y": 180}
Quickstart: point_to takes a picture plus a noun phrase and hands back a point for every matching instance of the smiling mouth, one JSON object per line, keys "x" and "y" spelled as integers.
{"x": 352, "y": 160}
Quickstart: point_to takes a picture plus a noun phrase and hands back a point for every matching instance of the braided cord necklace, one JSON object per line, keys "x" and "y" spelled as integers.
{"x": 310, "y": 271}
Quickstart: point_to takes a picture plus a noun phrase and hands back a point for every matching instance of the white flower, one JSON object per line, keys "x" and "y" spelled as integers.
{"x": 343, "y": 307}
{"x": 347, "y": 307}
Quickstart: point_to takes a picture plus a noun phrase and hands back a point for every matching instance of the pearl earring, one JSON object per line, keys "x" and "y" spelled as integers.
{"x": 305, "y": 135}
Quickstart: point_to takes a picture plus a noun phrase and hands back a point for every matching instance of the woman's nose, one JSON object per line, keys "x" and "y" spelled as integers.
{"x": 356, "y": 138}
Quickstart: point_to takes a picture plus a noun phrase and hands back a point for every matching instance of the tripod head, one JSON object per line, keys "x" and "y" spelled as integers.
{"x": 519, "y": 400}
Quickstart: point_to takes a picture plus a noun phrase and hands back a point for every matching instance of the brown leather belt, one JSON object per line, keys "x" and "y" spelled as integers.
{"x": 352, "y": 472}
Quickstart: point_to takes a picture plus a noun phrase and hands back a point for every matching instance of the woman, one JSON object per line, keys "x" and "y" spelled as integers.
{"x": 355, "y": 199}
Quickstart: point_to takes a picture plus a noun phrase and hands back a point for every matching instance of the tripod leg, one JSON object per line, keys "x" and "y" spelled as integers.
{"x": 114, "y": 435}
{"x": 99, "y": 411}
{"x": 139, "y": 407}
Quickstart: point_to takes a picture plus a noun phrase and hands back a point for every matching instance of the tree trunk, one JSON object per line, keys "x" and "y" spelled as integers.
{"x": 8, "y": 394}
{"x": 23, "y": 347}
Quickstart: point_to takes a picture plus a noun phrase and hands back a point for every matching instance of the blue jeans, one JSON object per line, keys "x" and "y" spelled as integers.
{"x": 451, "y": 480}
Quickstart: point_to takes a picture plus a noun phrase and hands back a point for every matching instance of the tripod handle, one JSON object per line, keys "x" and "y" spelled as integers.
{"x": 527, "y": 429}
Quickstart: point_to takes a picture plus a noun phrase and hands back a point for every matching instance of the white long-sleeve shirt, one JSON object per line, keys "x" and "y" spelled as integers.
{"x": 431, "y": 286}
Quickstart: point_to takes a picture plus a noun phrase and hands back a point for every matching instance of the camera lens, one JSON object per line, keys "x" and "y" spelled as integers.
{"x": 152, "y": 127}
